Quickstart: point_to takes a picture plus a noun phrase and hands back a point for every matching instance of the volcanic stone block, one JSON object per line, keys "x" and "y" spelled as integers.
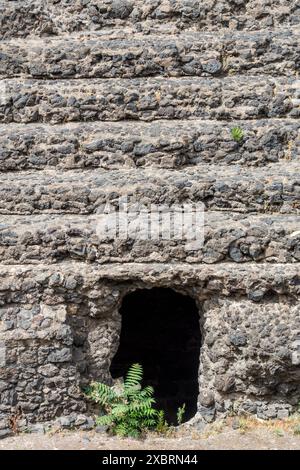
{"x": 48, "y": 18}
{"x": 233, "y": 98}
{"x": 226, "y": 237}
{"x": 190, "y": 54}
{"x": 160, "y": 144}
{"x": 265, "y": 190}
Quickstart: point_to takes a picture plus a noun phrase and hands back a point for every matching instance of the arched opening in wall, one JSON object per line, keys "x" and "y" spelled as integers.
{"x": 160, "y": 330}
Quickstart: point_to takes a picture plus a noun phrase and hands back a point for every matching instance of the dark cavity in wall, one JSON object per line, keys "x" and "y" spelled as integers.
{"x": 160, "y": 330}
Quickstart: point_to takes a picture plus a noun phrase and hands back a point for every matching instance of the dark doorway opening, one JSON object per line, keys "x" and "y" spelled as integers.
{"x": 160, "y": 330}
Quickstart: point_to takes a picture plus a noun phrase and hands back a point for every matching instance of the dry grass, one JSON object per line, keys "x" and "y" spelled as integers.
{"x": 244, "y": 424}
{"x": 279, "y": 427}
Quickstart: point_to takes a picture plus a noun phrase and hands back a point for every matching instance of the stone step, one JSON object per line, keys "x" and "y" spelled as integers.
{"x": 231, "y": 98}
{"x": 274, "y": 189}
{"x": 227, "y": 237}
{"x": 26, "y": 17}
{"x": 257, "y": 281}
{"x": 161, "y": 144}
{"x": 127, "y": 56}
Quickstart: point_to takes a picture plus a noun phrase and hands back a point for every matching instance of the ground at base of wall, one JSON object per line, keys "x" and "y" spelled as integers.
{"x": 235, "y": 434}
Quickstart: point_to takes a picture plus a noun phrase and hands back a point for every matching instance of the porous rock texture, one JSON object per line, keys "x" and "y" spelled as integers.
{"x": 100, "y": 100}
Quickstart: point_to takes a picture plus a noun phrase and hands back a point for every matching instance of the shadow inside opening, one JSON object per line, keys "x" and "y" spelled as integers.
{"x": 160, "y": 330}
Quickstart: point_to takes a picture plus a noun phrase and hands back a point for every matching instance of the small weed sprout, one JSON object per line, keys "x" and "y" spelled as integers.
{"x": 180, "y": 414}
{"x": 297, "y": 430}
{"x": 237, "y": 134}
{"x": 162, "y": 426}
{"x": 278, "y": 432}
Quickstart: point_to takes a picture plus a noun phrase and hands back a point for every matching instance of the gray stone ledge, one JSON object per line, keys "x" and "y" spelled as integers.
{"x": 227, "y": 237}
{"x": 162, "y": 144}
{"x": 190, "y": 54}
{"x": 23, "y": 18}
{"x": 149, "y": 99}
{"x": 227, "y": 279}
{"x": 274, "y": 189}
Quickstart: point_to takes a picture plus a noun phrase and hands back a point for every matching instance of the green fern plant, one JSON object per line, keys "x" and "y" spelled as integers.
{"x": 128, "y": 409}
{"x": 237, "y": 134}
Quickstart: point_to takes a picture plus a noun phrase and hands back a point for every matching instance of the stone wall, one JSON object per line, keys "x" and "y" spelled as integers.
{"x": 23, "y": 18}
{"x": 60, "y": 329}
{"x": 103, "y": 100}
{"x": 240, "y": 238}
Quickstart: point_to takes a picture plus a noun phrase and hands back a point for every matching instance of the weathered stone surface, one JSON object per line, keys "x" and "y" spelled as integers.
{"x": 59, "y": 101}
{"x": 22, "y": 18}
{"x": 138, "y": 99}
{"x": 227, "y": 237}
{"x": 192, "y": 54}
{"x": 225, "y": 279}
{"x": 161, "y": 144}
{"x": 265, "y": 190}
{"x": 265, "y": 330}
{"x": 237, "y": 327}
{"x": 243, "y": 331}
